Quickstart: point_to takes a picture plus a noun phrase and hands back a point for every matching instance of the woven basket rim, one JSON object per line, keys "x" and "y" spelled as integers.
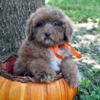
{"x": 24, "y": 79}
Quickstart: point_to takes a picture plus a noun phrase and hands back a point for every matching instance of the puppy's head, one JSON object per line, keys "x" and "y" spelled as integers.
{"x": 49, "y": 26}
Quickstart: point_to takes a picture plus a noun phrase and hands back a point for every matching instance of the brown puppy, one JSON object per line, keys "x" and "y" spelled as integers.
{"x": 47, "y": 27}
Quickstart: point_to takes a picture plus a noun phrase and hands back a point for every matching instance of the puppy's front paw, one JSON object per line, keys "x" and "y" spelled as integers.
{"x": 74, "y": 81}
{"x": 44, "y": 76}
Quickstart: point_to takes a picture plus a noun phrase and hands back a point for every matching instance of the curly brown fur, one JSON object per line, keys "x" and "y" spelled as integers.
{"x": 47, "y": 27}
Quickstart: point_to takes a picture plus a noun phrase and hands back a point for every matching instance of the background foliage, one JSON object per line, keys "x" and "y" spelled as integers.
{"x": 86, "y": 39}
{"x": 78, "y": 10}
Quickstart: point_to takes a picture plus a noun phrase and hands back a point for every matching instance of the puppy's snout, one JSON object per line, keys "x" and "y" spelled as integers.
{"x": 47, "y": 34}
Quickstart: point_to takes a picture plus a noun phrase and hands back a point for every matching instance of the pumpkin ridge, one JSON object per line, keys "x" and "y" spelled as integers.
{"x": 65, "y": 89}
{"x": 46, "y": 91}
{"x": 62, "y": 88}
{"x": 2, "y": 88}
{"x": 8, "y": 86}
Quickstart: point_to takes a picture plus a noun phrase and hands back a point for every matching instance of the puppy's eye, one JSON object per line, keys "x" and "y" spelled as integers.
{"x": 57, "y": 23}
{"x": 40, "y": 24}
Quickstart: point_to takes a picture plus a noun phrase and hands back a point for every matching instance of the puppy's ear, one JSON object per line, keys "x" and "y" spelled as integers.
{"x": 30, "y": 28}
{"x": 69, "y": 28}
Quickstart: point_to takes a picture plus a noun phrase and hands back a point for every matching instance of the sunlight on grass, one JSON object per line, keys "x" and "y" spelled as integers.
{"x": 46, "y": 1}
{"x": 97, "y": 66}
{"x": 90, "y": 37}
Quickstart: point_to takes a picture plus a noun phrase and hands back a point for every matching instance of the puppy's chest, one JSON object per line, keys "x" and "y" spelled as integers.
{"x": 55, "y": 62}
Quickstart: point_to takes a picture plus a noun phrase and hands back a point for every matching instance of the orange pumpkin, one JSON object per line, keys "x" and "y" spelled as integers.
{"x": 57, "y": 90}
{"x": 14, "y": 90}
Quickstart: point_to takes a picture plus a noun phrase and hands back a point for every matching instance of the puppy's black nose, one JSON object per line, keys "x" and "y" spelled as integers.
{"x": 47, "y": 34}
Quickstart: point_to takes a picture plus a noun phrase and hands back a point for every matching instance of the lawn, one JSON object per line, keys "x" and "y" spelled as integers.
{"x": 86, "y": 41}
{"x": 78, "y": 10}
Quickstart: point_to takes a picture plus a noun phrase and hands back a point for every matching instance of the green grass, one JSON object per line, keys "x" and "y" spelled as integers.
{"x": 78, "y": 10}
{"x": 88, "y": 42}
